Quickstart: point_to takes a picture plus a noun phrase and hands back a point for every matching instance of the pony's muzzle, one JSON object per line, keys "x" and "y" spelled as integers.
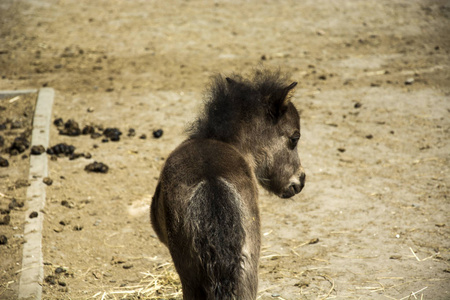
{"x": 295, "y": 186}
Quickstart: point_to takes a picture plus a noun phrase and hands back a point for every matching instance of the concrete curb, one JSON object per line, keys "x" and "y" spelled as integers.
{"x": 32, "y": 275}
{"x": 15, "y": 92}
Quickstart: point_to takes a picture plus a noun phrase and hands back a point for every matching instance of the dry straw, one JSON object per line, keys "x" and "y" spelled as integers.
{"x": 165, "y": 284}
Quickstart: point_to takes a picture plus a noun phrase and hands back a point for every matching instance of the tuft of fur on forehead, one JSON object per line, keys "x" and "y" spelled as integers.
{"x": 235, "y": 101}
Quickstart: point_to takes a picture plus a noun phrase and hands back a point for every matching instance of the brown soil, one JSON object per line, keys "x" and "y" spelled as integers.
{"x": 16, "y": 112}
{"x": 374, "y": 94}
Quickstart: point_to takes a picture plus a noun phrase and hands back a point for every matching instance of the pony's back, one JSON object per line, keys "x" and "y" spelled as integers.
{"x": 207, "y": 203}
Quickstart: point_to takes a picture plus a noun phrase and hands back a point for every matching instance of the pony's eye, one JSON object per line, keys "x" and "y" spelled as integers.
{"x": 293, "y": 140}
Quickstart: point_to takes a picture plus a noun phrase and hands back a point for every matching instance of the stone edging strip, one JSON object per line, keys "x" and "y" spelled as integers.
{"x": 15, "y": 92}
{"x": 32, "y": 272}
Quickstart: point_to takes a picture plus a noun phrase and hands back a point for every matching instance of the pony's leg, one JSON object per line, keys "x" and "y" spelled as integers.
{"x": 192, "y": 291}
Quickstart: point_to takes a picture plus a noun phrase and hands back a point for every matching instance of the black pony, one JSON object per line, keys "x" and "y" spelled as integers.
{"x": 205, "y": 207}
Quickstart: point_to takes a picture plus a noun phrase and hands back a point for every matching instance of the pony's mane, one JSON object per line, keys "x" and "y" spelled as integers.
{"x": 233, "y": 101}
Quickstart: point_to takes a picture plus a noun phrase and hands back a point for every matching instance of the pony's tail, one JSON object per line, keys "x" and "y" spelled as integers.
{"x": 215, "y": 218}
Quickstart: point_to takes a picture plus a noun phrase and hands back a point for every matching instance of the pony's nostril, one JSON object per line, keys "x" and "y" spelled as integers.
{"x": 297, "y": 188}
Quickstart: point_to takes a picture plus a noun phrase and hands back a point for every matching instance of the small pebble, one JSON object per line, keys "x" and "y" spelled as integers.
{"x": 58, "y": 229}
{"x": 157, "y": 133}
{"x": 4, "y": 162}
{"x": 61, "y": 283}
{"x": 47, "y": 181}
{"x": 143, "y": 137}
{"x": 58, "y": 122}
{"x": 77, "y": 227}
{"x": 375, "y": 84}
{"x": 34, "y": 214}
{"x": 131, "y": 132}
{"x": 20, "y": 183}
{"x": 313, "y": 241}
{"x": 67, "y": 204}
{"x": 276, "y": 295}
{"x": 5, "y": 220}
{"x": 127, "y": 266}
{"x": 50, "y": 279}
{"x": 16, "y": 125}
{"x": 64, "y": 222}
{"x": 369, "y": 136}
{"x": 303, "y": 282}
{"x": 409, "y": 81}
{"x": 3, "y": 240}
{"x": 59, "y": 270}
{"x": 357, "y": 105}
{"x": 320, "y": 32}
{"x": 14, "y": 203}
{"x": 90, "y": 109}
{"x": 117, "y": 260}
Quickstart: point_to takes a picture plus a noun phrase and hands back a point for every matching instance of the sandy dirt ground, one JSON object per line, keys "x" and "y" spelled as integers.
{"x": 373, "y": 221}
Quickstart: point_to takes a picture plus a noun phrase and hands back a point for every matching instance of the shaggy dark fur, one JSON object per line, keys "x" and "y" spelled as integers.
{"x": 218, "y": 235}
{"x": 233, "y": 101}
{"x": 205, "y": 207}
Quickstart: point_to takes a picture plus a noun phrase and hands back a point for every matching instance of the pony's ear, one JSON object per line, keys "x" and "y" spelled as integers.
{"x": 279, "y": 101}
{"x": 230, "y": 81}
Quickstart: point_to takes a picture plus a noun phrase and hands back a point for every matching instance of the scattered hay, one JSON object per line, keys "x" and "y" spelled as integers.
{"x": 413, "y": 294}
{"x": 331, "y": 280}
{"x": 423, "y": 259}
{"x": 163, "y": 285}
